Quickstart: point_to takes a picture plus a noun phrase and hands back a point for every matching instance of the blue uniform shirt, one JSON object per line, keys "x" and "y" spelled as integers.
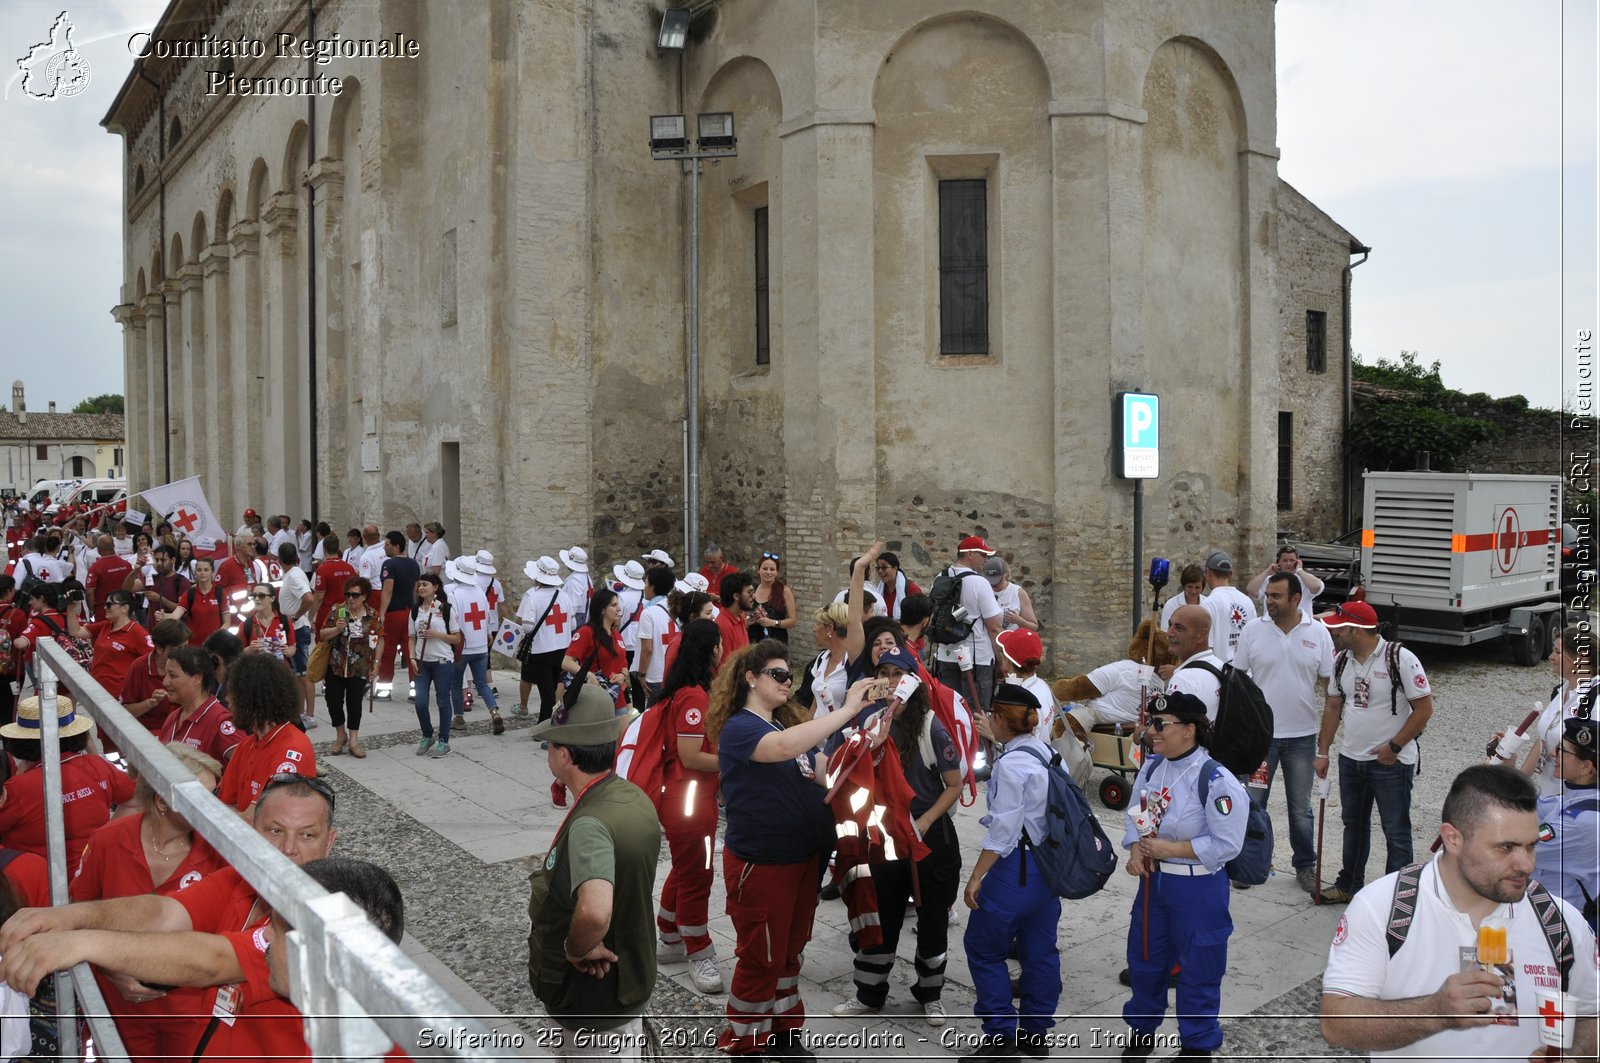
{"x": 1019, "y": 792}
{"x": 1567, "y": 860}
{"x": 776, "y": 812}
{"x": 1215, "y": 828}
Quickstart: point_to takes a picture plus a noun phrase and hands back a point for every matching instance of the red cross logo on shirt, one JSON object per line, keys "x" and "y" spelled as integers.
{"x": 476, "y": 617}
{"x": 185, "y": 521}
{"x": 558, "y": 618}
{"x": 1550, "y": 1013}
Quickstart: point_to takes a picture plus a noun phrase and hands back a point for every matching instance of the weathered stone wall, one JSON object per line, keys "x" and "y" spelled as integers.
{"x": 1312, "y": 252}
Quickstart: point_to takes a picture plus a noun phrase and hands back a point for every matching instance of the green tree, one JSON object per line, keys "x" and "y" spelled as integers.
{"x": 1392, "y": 434}
{"x": 108, "y": 403}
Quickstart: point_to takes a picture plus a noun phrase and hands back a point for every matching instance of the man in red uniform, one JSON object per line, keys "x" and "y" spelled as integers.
{"x": 238, "y": 572}
{"x": 714, "y": 569}
{"x": 215, "y": 933}
{"x": 738, "y": 594}
{"x": 327, "y": 586}
{"x": 107, "y": 573}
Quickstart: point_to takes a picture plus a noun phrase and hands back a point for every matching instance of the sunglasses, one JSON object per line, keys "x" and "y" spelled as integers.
{"x": 289, "y": 778}
{"x": 781, "y": 676}
{"x": 771, "y": 557}
{"x": 354, "y": 594}
{"x": 260, "y": 595}
{"x": 1157, "y": 723}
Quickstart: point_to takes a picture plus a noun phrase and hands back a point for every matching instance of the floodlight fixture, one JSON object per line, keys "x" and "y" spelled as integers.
{"x": 716, "y": 137}
{"x": 669, "y": 136}
{"x": 674, "y": 34}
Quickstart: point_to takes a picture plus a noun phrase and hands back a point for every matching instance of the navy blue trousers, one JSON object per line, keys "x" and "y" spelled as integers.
{"x": 1189, "y": 926}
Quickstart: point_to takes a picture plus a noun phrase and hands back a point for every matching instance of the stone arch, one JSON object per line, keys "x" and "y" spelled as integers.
{"x": 255, "y": 191}
{"x": 961, "y": 97}
{"x": 224, "y": 213}
{"x": 1196, "y": 278}
{"x": 138, "y": 179}
{"x": 344, "y": 120}
{"x": 156, "y": 274}
{"x": 140, "y": 288}
{"x": 175, "y": 262}
{"x": 1202, "y": 51}
{"x": 294, "y": 158}
{"x": 197, "y": 233}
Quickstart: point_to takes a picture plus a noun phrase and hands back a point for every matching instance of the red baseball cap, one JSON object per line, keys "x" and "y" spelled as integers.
{"x": 1351, "y": 614}
{"x": 974, "y": 544}
{"x": 1021, "y": 646}
{"x": 250, "y": 513}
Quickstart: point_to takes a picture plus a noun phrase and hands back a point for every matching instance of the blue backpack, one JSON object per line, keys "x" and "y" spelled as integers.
{"x": 1254, "y": 863}
{"x": 1075, "y": 855}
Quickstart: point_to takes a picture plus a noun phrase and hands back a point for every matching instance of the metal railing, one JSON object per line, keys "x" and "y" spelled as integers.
{"x": 357, "y": 990}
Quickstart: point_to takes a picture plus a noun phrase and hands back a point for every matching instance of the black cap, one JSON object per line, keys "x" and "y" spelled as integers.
{"x": 1012, "y": 694}
{"x": 1186, "y": 707}
{"x": 1581, "y": 734}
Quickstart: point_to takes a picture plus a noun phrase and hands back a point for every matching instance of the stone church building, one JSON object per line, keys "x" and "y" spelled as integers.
{"x": 952, "y": 233}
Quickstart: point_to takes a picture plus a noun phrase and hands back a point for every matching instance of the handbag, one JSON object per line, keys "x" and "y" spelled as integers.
{"x": 317, "y": 663}
{"x": 525, "y": 647}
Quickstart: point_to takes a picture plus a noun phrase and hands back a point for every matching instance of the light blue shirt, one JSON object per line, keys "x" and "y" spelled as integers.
{"x": 1568, "y": 862}
{"x": 1019, "y": 793}
{"x": 1215, "y": 827}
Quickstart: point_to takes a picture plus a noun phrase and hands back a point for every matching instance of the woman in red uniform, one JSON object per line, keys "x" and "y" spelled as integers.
{"x": 48, "y": 616}
{"x": 597, "y": 646}
{"x": 157, "y": 852}
{"x": 779, "y": 831}
{"x": 99, "y": 784}
{"x": 199, "y": 719}
{"x": 119, "y": 640}
{"x": 689, "y": 806}
{"x": 266, "y": 710}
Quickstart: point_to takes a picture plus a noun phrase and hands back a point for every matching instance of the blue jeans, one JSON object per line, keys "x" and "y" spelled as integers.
{"x": 1295, "y": 756}
{"x": 439, "y": 675}
{"x": 479, "y": 665}
{"x": 1361, "y": 783}
{"x": 302, "y": 650}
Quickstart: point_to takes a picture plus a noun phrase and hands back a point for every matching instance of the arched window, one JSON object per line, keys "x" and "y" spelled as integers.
{"x": 138, "y": 179}
{"x": 174, "y": 133}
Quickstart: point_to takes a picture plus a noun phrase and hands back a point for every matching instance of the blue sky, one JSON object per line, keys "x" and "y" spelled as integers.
{"x": 1432, "y": 129}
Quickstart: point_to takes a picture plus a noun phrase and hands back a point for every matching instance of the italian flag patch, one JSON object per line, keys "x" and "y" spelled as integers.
{"x": 1224, "y": 805}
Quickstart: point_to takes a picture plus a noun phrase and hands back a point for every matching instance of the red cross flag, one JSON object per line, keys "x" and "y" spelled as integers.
{"x": 185, "y": 506}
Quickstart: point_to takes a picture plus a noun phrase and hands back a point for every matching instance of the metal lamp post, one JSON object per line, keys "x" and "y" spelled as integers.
{"x": 669, "y": 140}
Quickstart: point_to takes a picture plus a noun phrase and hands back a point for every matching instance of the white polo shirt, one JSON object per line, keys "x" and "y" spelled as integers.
{"x": 1286, "y": 667}
{"x": 1119, "y": 686}
{"x": 1359, "y": 964}
{"x": 655, "y": 624}
{"x": 1364, "y": 687}
{"x": 1199, "y": 682}
{"x": 977, "y": 597}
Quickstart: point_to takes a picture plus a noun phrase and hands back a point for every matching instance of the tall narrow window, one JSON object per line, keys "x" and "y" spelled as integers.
{"x": 116, "y": 456}
{"x": 1316, "y": 341}
{"x": 1285, "y": 460}
{"x": 763, "y": 306}
{"x": 77, "y": 466}
{"x": 964, "y": 267}
{"x": 41, "y": 452}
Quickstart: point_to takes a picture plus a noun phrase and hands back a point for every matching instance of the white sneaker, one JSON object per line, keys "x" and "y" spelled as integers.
{"x": 669, "y": 952}
{"x": 705, "y": 976}
{"x": 854, "y": 1006}
{"x": 934, "y": 1010}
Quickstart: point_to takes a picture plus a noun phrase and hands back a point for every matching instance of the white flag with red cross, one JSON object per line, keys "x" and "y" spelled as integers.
{"x": 186, "y": 509}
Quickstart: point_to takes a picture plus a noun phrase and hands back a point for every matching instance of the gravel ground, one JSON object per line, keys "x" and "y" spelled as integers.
{"x": 474, "y": 915}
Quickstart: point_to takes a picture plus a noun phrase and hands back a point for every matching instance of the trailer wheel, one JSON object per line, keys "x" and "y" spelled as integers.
{"x": 1114, "y": 793}
{"x": 1525, "y": 649}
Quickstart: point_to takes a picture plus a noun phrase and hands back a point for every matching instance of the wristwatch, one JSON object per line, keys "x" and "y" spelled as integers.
{"x": 1395, "y": 747}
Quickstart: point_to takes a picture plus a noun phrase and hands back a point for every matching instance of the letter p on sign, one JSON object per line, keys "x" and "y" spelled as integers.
{"x": 1139, "y": 417}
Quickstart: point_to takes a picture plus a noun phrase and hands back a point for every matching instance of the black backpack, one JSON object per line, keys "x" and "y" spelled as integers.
{"x": 1392, "y": 652}
{"x": 1242, "y": 732}
{"x": 944, "y": 627}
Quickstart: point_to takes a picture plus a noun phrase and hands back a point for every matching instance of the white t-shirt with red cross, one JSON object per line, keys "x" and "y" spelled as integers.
{"x": 655, "y": 624}
{"x": 556, "y": 631}
{"x": 1364, "y": 686}
{"x": 1359, "y": 964}
{"x": 469, "y": 608}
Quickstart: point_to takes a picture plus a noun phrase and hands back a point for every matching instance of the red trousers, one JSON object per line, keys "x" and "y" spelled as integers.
{"x": 396, "y": 634}
{"x": 689, "y": 821}
{"x": 772, "y": 907}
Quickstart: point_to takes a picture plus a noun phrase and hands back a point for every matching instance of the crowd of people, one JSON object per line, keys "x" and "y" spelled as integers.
{"x": 833, "y": 777}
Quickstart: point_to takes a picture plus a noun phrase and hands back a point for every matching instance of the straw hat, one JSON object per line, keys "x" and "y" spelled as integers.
{"x": 27, "y": 722}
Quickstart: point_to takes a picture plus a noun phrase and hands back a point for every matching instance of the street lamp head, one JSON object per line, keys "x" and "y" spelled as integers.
{"x": 674, "y": 33}
{"x": 716, "y": 133}
{"x": 669, "y": 136}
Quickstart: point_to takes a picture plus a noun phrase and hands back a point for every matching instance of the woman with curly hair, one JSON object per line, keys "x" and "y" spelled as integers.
{"x": 266, "y": 710}
{"x": 779, "y": 831}
{"x": 688, "y": 806}
{"x": 932, "y": 768}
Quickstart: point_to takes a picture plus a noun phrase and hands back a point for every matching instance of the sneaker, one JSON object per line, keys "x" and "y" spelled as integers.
{"x": 499, "y": 724}
{"x": 992, "y": 1047}
{"x": 854, "y": 1006}
{"x": 460, "y": 721}
{"x": 1307, "y": 877}
{"x": 705, "y": 976}
{"x": 440, "y": 751}
{"x": 670, "y": 952}
{"x": 933, "y": 1011}
{"x": 1140, "y": 1045}
{"x": 520, "y": 710}
{"x": 1032, "y": 1044}
{"x": 382, "y": 693}
{"x": 424, "y": 745}
{"x": 307, "y": 722}
{"x": 558, "y": 794}
{"x": 790, "y": 1045}
{"x": 1336, "y": 895}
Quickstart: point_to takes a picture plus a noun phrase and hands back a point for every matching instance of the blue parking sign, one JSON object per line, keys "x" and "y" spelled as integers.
{"x": 1140, "y": 435}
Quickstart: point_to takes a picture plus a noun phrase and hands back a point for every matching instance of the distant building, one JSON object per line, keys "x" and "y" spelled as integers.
{"x": 57, "y": 446}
